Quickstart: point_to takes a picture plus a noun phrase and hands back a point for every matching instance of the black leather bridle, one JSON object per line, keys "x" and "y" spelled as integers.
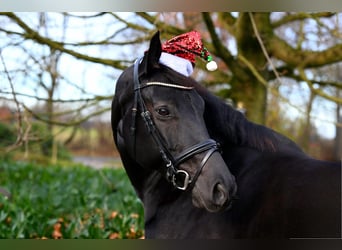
{"x": 179, "y": 178}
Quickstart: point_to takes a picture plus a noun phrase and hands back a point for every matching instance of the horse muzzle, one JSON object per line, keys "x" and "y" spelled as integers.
{"x": 219, "y": 199}
{"x": 215, "y": 189}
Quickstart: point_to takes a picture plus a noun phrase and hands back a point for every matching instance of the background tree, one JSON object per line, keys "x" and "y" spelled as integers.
{"x": 284, "y": 61}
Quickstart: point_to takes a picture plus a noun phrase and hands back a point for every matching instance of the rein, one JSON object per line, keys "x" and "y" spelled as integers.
{"x": 179, "y": 178}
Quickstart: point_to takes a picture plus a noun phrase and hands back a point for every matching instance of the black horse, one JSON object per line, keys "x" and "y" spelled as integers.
{"x": 257, "y": 183}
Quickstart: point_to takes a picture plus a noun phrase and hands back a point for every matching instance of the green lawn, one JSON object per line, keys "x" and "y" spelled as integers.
{"x": 68, "y": 202}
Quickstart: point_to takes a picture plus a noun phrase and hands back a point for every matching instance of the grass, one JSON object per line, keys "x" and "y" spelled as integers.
{"x": 67, "y": 202}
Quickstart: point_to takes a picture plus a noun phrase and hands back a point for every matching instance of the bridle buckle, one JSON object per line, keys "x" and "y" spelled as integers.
{"x": 186, "y": 179}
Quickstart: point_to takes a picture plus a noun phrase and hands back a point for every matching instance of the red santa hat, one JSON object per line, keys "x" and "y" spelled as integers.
{"x": 186, "y": 47}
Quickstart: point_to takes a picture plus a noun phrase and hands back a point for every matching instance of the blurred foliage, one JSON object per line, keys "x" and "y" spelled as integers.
{"x": 39, "y": 144}
{"x": 7, "y": 135}
{"x": 43, "y": 143}
{"x": 67, "y": 202}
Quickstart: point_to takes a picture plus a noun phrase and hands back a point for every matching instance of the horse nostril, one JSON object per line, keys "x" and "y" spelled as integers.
{"x": 219, "y": 194}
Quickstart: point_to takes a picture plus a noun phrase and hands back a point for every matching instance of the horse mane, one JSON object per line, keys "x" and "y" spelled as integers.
{"x": 229, "y": 126}
{"x": 233, "y": 127}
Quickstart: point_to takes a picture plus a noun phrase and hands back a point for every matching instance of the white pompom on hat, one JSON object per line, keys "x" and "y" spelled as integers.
{"x": 211, "y": 66}
{"x": 186, "y": 46}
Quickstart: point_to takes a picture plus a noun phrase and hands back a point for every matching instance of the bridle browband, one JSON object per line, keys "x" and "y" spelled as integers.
{"x": 173, "y": 174}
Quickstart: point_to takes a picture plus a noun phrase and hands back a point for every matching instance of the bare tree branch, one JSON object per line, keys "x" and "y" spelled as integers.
{"x": 95, "y": 98}
{"x": 33, "y": 35}
{"x": 68, "y": 123}
{"x": 305, "y": 59}
{"x": 293, "y": 17}
{"x": 318, "y": 91}
{"x": 19, "y": 139}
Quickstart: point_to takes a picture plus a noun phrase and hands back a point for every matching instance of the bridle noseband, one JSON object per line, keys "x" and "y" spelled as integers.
{"x": 178, "y": 177}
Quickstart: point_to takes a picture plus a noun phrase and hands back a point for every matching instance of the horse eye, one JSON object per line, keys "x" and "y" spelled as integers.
{"x": 163, "y": 111}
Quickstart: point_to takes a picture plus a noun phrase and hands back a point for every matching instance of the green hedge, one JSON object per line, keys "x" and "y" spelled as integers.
{"x": 68, "y": 202}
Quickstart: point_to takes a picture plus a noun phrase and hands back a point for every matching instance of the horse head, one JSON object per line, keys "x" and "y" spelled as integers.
{"x": 158, "y": 127}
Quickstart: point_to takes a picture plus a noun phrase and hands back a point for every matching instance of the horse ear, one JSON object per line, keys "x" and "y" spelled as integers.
{"x": 151, "y": 58}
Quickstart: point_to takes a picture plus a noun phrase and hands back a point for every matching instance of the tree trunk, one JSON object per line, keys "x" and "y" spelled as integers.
{"x": 253, "y": 99}
{"x": 305, "y": 137}
{"x": 246, "y": 87}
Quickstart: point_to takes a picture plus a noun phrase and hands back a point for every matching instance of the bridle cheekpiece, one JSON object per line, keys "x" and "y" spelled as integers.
{"x": 177, "y": 177}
